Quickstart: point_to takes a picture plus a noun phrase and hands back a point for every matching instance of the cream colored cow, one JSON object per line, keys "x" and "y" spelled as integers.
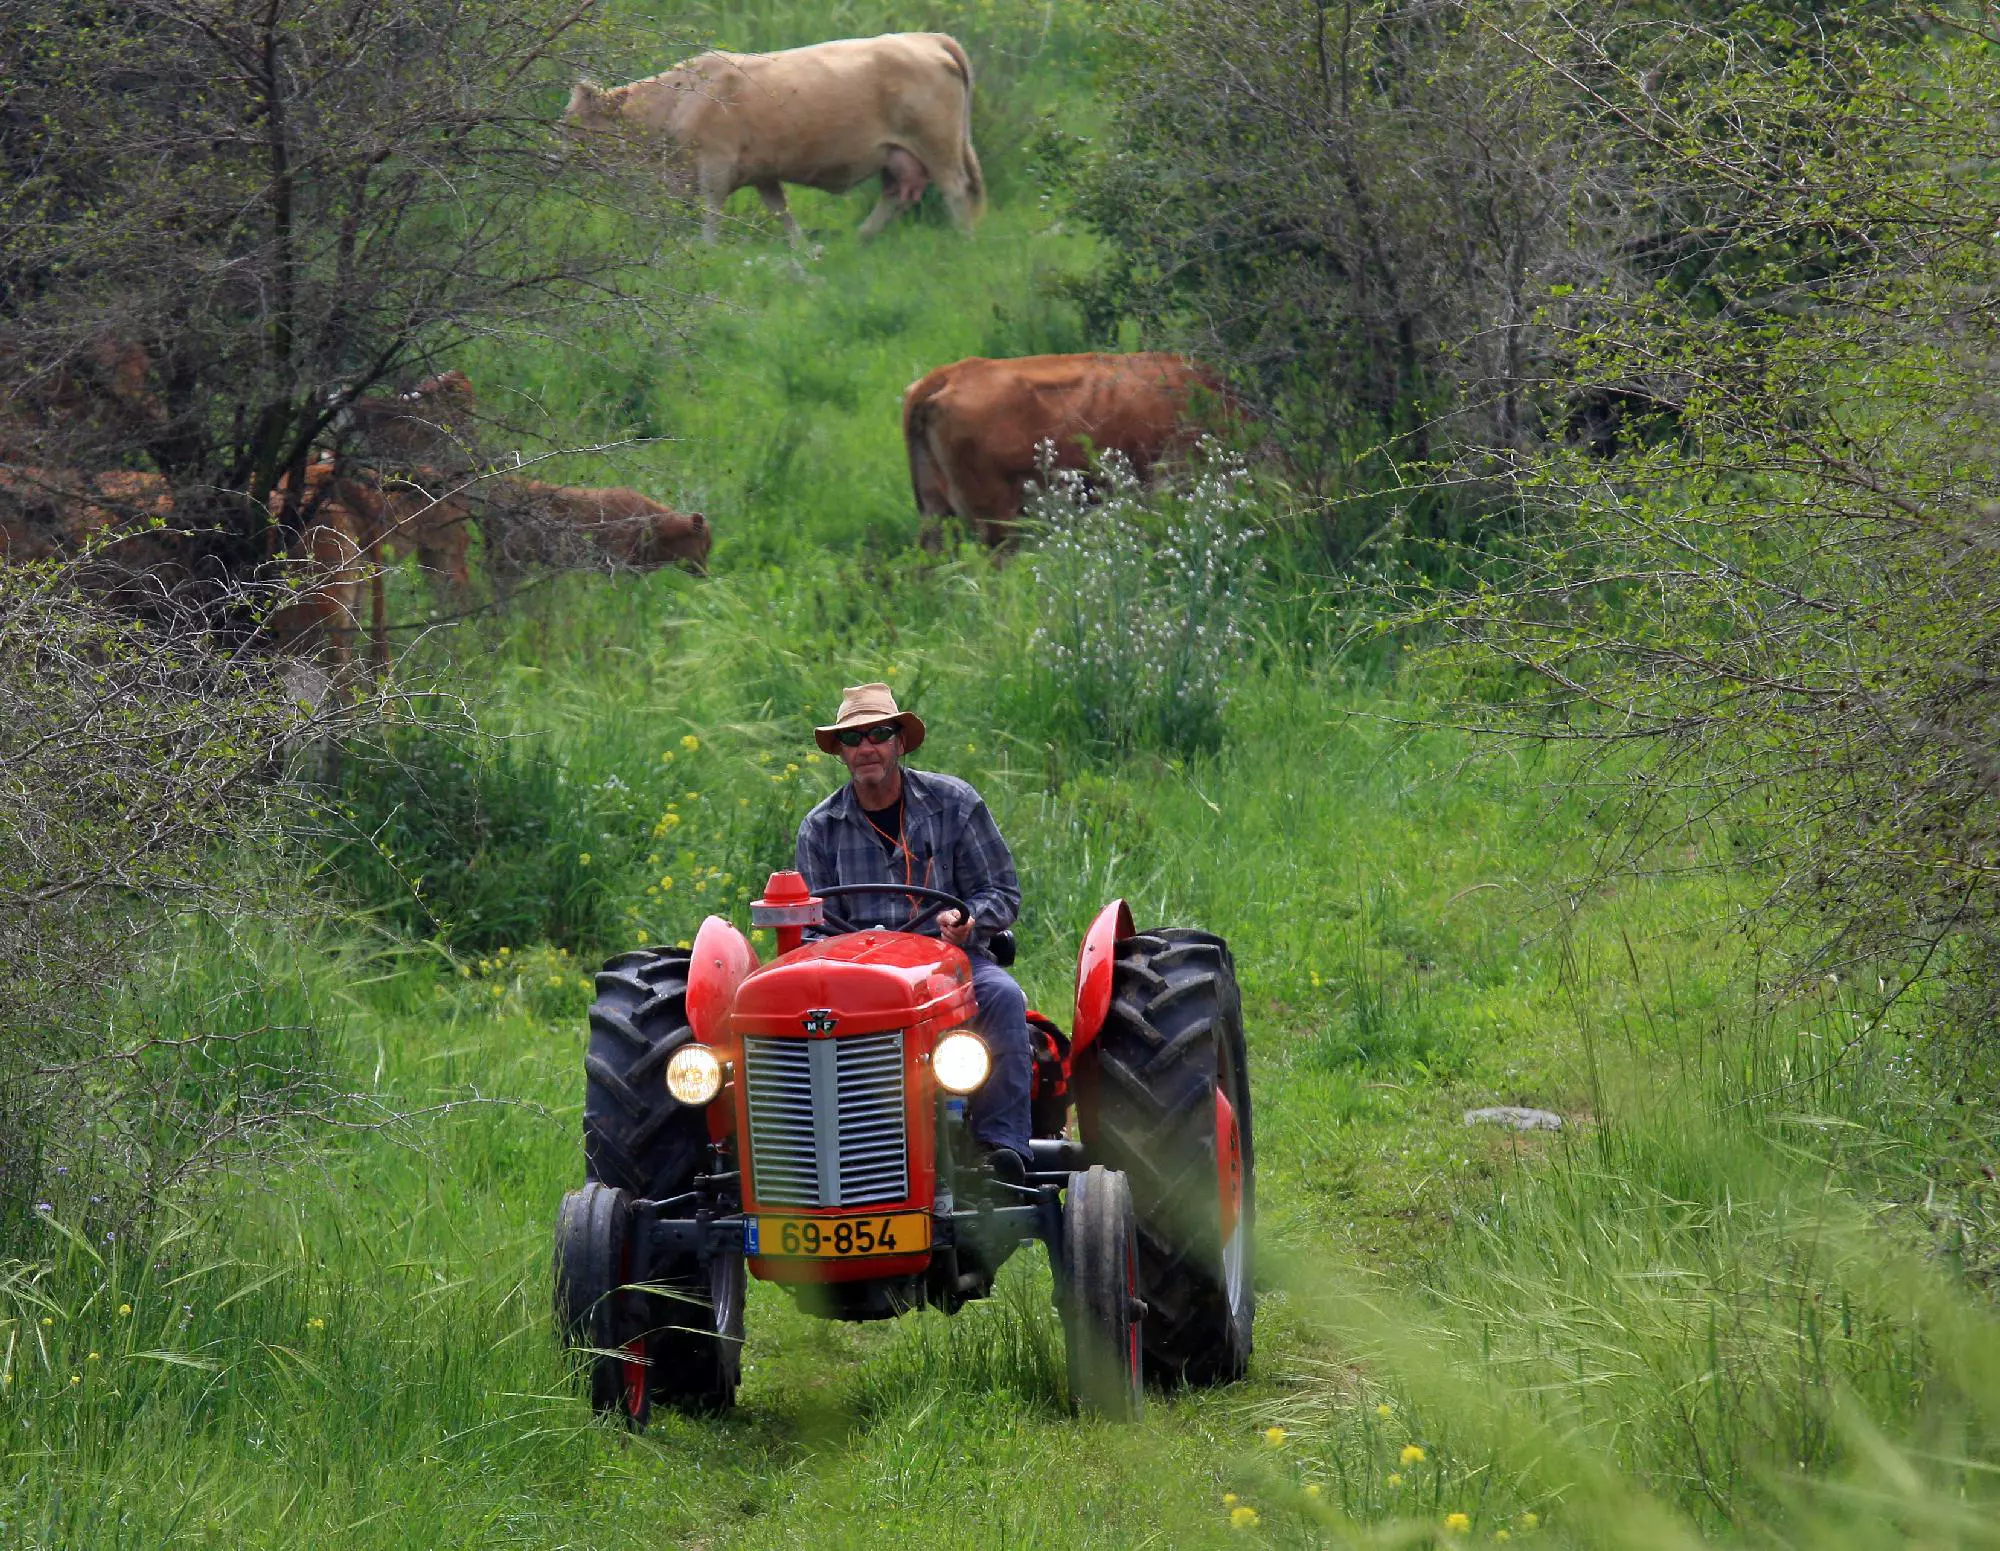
{"x": 828, "y": 116}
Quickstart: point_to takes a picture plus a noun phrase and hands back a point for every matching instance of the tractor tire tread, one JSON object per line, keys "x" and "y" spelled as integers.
{"x": 635, "y": 1134}
{"x": 1151, "y": 1082}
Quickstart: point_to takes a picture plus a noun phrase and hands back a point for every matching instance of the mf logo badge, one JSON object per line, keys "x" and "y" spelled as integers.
{"x": 819, "y": 1020}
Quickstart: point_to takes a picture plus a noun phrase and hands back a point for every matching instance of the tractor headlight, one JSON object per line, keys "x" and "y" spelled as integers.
{"x": 694, "y": 1074}
{"x": 961, "y": 1061}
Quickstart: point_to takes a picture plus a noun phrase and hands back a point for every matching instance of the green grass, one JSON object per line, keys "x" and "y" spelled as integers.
{"x": 1738, "y": 1298}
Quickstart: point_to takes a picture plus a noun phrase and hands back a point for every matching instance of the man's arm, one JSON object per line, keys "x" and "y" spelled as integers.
{"x": 984, "y": 868}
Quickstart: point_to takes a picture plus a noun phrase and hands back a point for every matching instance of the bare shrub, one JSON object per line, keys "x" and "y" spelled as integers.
{"x": 1360, "y": 205}
{"x": 228, "y": 225}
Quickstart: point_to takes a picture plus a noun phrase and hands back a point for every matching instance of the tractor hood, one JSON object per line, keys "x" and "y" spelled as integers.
{"x": 863, "y": 982}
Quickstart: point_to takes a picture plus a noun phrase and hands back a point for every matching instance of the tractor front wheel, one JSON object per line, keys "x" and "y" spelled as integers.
{"x": 1164, "y": 1095}
{"x": 697, "y": 1337}
{"x": 1101, "y": 1312}
{"x": 594, "y": 1312}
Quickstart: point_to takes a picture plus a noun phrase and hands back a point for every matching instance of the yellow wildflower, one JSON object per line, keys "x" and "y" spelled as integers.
{"x": 1412, "y": 1455}
{"x": 465, "y": 971}
{"x": 315, "y": 1323}
{"x": 583, "y": 858}
{"x": 764, "y": 758}
{"x": 743, "y": 802}
{"x": 92, "y": 1357}
{"x": 504, "y": 952}
{"x": 791, "y": 770}
{"x": 1394, "y": 1482}
{"x": 124, "y": 1310}
{"x": 1384, "y": 1411}
{"x": 667, "y": 757}
{"x": 1530, "y": 1520}
{"x": 1243, "y": 1518}
{"x": 1457, "y": 1523}
{"x": 671, "y": 820}
{"x": 1501, "y": 1534}
{"x": 667, "y": 881}
{"x": 814, "y": 757}
{"x": 690, "y": 743}
{"x": 46, "y": 1322}
{"x": 691, "y": 796}
{"x": 1229, "y": 1499}
{"x": 1312, "y": 1490}
{"x": 683, "y": 944}
{"x": 1275, "y": 1436}
{"x": 76, "y": 1378}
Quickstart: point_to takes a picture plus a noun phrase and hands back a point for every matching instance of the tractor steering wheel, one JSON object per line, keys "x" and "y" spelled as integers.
{"x": 934, "y": 902}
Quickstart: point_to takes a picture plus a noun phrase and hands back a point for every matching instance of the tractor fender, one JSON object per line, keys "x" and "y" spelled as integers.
{"x": 720, "y": 961}
{"x": 1093, "y": 973}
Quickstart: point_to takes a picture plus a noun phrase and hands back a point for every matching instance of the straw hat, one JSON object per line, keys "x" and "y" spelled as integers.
{"x": 865, "y": 705}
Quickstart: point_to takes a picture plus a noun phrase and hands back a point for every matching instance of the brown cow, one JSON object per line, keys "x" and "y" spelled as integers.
{"x": 972, "y": 428}
{"x": 431, "y": 424}
{"x": 414, "y": 448}
{"x": 335, "y": 560}
{"x": 566, "y": 527}
{"x": 829, "y": 116}
{"x": 103, "y": 392}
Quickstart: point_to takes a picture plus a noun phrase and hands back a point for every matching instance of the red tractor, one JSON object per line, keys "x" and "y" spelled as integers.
{"x": 803, "y": 1121}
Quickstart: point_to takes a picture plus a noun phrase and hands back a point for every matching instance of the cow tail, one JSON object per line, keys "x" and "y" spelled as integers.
{"x": 975, "y": 179}
{"x": 916, "y": 437}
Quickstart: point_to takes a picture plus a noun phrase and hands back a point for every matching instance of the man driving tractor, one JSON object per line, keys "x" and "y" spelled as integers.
{"x": 889, "y": 825}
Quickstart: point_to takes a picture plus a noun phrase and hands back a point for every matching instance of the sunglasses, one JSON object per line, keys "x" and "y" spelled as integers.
{"x": 854, "y": 737}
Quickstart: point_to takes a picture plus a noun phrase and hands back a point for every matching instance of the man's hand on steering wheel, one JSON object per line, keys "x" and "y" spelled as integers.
{"x": 954, "y": 926}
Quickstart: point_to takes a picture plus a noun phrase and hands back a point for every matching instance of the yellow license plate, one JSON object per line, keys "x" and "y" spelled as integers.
{"x": 838, "y": 1238}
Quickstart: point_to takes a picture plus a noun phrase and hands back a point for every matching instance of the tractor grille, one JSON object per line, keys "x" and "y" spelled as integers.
{"x": 826, "y": 1120}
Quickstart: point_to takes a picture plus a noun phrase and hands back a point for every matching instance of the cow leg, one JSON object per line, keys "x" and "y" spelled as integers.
{"x": 904, "y": 180}
{"x": 378, "y": 620}
{"x": 773, "y": 195}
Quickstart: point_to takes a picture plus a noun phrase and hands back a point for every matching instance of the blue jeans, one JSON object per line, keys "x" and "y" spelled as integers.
{"x": 999, "y": 1110}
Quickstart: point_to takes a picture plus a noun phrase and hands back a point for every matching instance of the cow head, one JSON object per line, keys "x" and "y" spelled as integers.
{"x": 662, "y": 538}
{"x": 592, "y": 107}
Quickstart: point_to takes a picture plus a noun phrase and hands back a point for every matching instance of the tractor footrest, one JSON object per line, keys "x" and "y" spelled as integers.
{"x": 1056, "y": 1155}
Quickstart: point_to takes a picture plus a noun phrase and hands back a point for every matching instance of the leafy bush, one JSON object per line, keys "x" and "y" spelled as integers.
{"x": 1141, "y": 600}
{"x": 141, "y": 793}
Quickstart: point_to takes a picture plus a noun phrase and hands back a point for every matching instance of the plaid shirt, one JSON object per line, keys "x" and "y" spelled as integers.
{"x": 954, "y": 845}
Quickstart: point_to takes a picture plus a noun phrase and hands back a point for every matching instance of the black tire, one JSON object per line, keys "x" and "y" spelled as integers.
{"x": 1173, "y": 1039}
{"x": 636, "y": 1135}
{"x": 696, "y": 1343}
{"x": 593, "y": 1313}
{"x": 1103, "y": 1319}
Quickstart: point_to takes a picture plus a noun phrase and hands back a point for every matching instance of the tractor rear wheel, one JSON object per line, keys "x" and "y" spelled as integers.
{"x": 1101, "y": 1313}
{"x": 636, "y": 1135}
{"x": 593, "y": 1312}
{"x": 1166, "y": 1098}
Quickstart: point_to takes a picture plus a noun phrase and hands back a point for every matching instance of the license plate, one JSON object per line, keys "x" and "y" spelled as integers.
{"x": 838, "y": 1238}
